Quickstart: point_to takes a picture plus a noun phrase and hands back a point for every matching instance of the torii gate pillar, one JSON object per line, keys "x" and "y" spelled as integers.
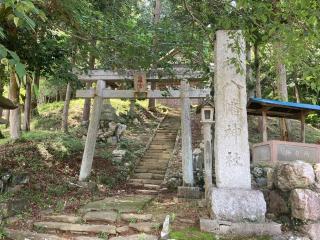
{"x": 88, "y": 153}
{"x": 186, "y": 136}
{"x": 187, "y": 190}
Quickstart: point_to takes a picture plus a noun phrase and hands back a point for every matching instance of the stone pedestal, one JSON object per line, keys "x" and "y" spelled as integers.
{"x": 237, "y": 205}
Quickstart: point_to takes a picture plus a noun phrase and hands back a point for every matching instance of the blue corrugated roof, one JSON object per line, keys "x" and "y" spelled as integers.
{"x": 302, "y": 106}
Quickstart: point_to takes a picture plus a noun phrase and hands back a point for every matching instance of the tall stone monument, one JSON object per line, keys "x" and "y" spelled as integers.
{"x": 232, "y": 200}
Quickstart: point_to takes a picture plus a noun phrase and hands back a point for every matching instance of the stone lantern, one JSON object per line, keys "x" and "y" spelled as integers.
{"x": 207, "y": 113}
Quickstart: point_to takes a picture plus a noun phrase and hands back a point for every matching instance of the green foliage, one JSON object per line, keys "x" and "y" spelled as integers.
{"x": 191, "y": 234}
{"x": 196, "y": 234}
{"x": 3, "y": 234}
{"x": 16, "y": 15}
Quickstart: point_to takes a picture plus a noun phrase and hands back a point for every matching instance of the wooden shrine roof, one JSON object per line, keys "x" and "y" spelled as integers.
{"x": 276, "y": 108}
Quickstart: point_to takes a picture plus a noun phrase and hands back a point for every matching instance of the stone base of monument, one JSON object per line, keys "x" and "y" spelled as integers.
{"x": 238, "y": 212}
{"x": 237, "y": 205}
{"x": 189, "y": 192}
{"x": 243, "y": 229}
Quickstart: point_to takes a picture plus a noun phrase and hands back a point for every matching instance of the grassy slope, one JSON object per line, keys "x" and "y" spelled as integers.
{"x": 312, "y": 133}
{"x": 46, "y": 152}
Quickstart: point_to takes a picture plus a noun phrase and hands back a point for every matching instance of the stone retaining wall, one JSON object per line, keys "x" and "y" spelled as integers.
{"x": 292, "y": 193}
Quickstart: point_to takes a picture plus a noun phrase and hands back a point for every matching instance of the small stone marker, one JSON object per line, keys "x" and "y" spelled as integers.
{"x": 165, "y": 228}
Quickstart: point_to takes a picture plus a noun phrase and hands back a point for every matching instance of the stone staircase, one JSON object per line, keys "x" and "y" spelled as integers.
{"x": 113, "y": 218}
{"x": 149, "y": 174}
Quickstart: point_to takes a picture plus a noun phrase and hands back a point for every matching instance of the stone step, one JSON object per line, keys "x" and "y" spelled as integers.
{"x": 101, "y": 216}
{"x": 145, "y": 186}
{"x": 159, "y": 147}
{"x": 146, "y": 181}
{"x": 153, "y": 166}
{"x": 153, "y": 163}
{"x": 129, "y": 217}
{"x": 63, "y": 218}
{"x": 143, "y": 170}
{"x": 145, "y": 227}
{"x": 85, "y": 238}
{"x": 22, "y": 235}
{"x": 136, "y": 237}
{"x": 79, "y": 228}
{"x": 127, "y": 203}
{"x": 165, "y": 135}
{"x": 158, "y": 151}
{"x": 147, "y": 191}
{"x": 151, "y": 169}
{"x": 148, "y": 176}
{"x": 157, "y": 155}
{"x": 154, "y": 160}
{"x": 152, "y": 186}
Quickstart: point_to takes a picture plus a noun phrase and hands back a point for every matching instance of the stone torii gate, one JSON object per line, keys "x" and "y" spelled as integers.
{"x": 140, "y": 91}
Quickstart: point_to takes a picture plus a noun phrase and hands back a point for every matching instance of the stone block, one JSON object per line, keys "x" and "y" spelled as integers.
{"x": 103, "y": 216}
{"x": 189, "y": 192}
{"x": 237, "y": 205}
{"x": 125, "y": 204}
{"x": 146, "y": 227}
{"x": 12, "y": 207}
{"x": 305, "y": 204}
{"x": 63, "y": 218}
{"x": 277, "y": 204}
{"x": 240, "y": 229}
{"x": 138, "y": 217}
{"x": 312, "y": 230}
{"x": 294, "y": 175}
{"x": 270, "y": 177}
{"x": 136, "y": 237}
{"x": 81, "y": 228}
{"x": 317, "y": 171}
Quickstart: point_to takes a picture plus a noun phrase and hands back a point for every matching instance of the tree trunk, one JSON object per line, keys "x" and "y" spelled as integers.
{"x": 156, "y": 20}
{"x": 14, "y": 118}
{"x": 257, "y": 71}
{"x": 1, "y": 109}
{"x": 86, "y": 107}
{"x": 282, "y": 90}
{"x": 27, "y": 107}
{"x": 65, "y": 114}
{"x": 249, "y": 80}
{"x": 131, "y": 110}
{"x": 152, "y": 102}
{"x": 87, "y": 101}
{"x": 297, "y": 93}
{"x": 35, "y": 90}
{"x": 258, "y": 94}
{"x": 7, "y": 114}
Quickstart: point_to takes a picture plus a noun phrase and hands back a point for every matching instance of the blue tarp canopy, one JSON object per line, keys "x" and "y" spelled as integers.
{"x": 275, "y": 108}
